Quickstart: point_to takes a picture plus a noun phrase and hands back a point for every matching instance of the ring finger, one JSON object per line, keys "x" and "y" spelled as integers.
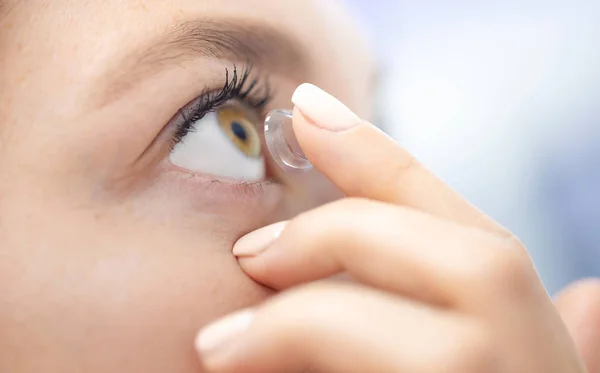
{"x": 352, "y": 330}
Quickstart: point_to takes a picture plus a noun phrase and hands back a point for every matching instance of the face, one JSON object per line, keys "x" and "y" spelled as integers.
{"x": 132, "y": 159}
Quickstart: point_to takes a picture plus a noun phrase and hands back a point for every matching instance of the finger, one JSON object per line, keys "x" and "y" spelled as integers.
{"x": 579, "y": 307}
{"x": 364, "y": 162}
{"x": 335, "y": 328}
{"x": 392, "y": 248}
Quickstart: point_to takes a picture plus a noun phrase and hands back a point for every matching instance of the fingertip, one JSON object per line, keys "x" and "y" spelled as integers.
{"x": 258, "y": 241}
{"x": 216, "y": 343}
{"x": 323, "y": 109}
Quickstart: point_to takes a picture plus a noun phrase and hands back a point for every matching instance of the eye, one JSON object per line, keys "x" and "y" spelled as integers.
{"x": 223, "y": 143}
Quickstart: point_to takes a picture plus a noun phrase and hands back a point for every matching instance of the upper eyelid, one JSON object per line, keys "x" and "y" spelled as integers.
{"x": 256, "y": 43}
{"x": 234, "y": 87}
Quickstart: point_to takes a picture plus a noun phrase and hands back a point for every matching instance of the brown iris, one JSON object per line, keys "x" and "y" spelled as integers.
{"x": 237, "y": 125}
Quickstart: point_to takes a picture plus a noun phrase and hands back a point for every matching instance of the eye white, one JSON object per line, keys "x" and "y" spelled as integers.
{"x": 208, "y": 150}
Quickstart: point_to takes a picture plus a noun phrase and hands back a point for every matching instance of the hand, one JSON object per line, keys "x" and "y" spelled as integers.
{"x": 439, "y": 287}
{"x": 579, "y": 307}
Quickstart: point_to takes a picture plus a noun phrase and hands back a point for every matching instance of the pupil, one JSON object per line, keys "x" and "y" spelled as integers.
{"x": 239, "y": 131}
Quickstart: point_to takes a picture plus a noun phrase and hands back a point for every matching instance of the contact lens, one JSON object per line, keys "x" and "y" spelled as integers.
{"x": 281, "y": 142}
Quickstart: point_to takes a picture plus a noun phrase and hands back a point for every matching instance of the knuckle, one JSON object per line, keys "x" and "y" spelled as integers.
{"x": 405, "y": 164}
{"x": 401, "y": 168}
{"x": 506, "y": 268}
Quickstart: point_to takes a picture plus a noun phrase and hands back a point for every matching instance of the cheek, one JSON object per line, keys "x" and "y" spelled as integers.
{"x": 104, "y": 298}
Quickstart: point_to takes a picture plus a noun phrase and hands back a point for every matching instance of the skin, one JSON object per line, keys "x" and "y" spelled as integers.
{"x": 111, "y": 260}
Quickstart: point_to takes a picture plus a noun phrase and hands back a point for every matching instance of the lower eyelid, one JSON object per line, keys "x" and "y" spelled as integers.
{"x": 218, "y": 193}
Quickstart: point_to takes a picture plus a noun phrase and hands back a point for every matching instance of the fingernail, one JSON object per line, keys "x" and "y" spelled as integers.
{"x": 256, "y": 242}
{"x": 323, "y": 109}
{"x": 222, "y": 333}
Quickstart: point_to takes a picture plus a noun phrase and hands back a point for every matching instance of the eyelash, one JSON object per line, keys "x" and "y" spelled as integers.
{"x": 236, "y": 87}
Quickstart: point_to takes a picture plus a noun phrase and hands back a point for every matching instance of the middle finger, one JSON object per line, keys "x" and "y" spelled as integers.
{"x": 385, "y": 246}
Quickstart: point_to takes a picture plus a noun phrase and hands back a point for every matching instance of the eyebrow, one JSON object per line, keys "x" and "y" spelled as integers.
{"x": 237, "y": 41}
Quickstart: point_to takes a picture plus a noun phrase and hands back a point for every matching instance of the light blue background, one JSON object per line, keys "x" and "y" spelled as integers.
{"x": 502, "y": 100}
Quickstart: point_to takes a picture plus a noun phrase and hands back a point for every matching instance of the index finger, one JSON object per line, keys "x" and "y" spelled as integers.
{"x": 364, "y": 162}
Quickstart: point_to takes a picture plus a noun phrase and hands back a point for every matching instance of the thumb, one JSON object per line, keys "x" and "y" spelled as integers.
{"x": 579, "y": 307}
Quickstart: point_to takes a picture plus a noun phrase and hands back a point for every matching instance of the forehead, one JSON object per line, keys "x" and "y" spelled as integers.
{"x": 319, "y": 24}
{"x": 72, "y": 40}
{"x": 97, "y": 21}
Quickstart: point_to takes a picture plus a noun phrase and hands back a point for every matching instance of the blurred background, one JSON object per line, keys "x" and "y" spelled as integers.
{"x": 502, "y": 100}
